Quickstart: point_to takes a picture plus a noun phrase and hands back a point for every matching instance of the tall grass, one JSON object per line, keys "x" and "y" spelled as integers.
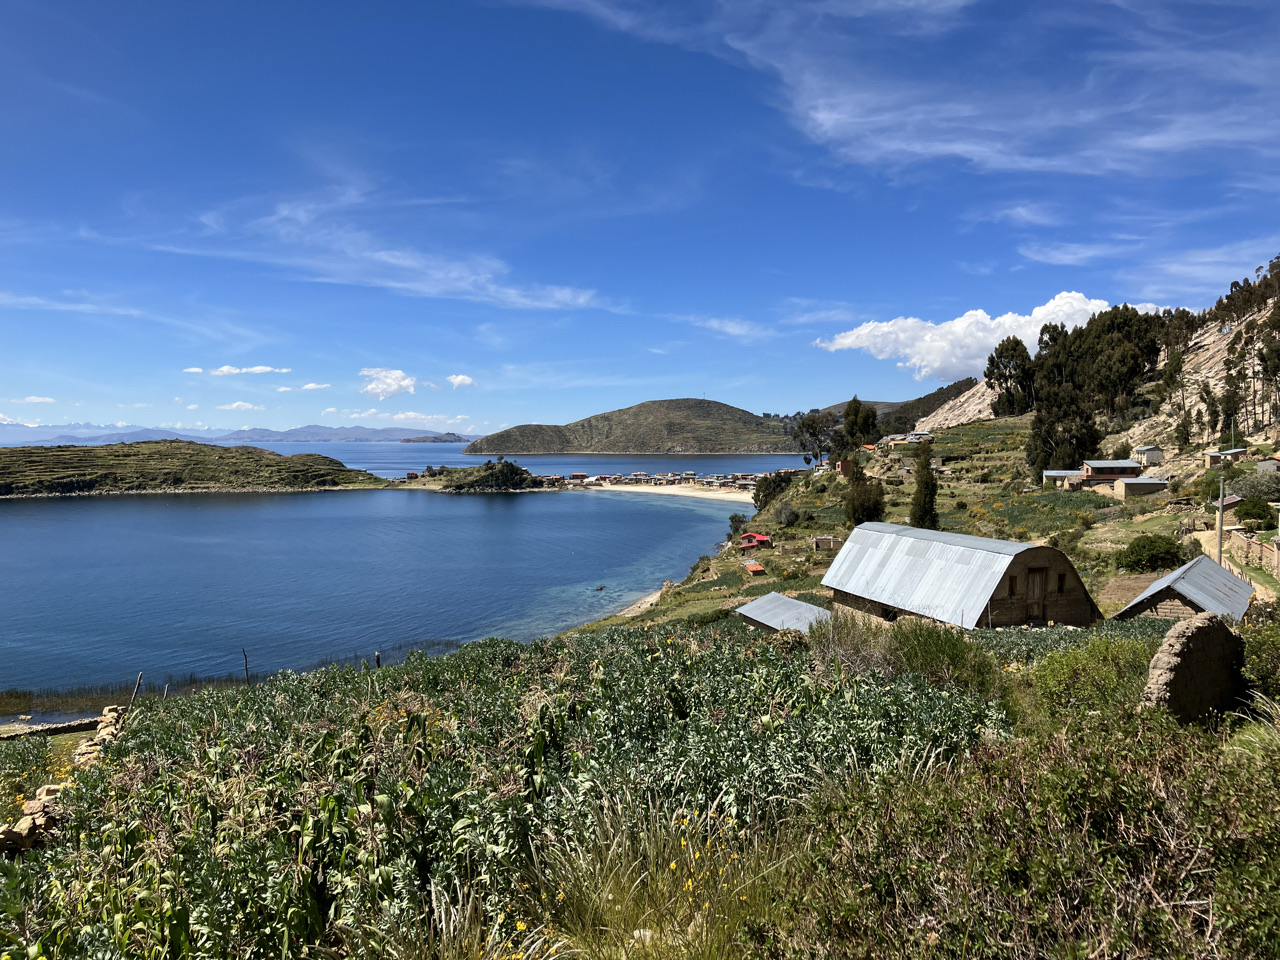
{"x": 642, "y": 877}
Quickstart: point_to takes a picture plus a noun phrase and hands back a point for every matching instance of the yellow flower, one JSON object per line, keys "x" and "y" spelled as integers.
{"x": 520, "y": 925}
{"x": 673, "y": 864}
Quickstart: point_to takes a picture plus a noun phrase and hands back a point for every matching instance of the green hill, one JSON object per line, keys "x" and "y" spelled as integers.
{"x": 167, "y": 465}
{"x": 657, "y": 426}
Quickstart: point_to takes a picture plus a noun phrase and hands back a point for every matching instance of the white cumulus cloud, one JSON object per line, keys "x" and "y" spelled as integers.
{"x": 283, "y": 389}
{"x": 384, "y": 382}
{"x": 228, "y": 371}
{"x": 193, "y": 369}
{"x": 315, "y": 386}
{"x": 239, "y": 405}
{"x": 460, "y": 380}
{"x": 960, "y": 347}
{"x": 35, "y": 400}
{"x": 193, "y": 406}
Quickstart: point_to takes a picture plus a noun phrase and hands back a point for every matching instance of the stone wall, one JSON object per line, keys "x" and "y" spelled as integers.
{"x": 40, "y": 814}
{"x": 1198, "y": 670}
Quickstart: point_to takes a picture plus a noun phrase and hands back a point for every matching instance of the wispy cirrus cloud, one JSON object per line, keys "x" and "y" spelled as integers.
{"x": 735, "y": 328}
{"x": 239, "y": 405}
{"x": 883, "y": 83}
{"x": 320, "y": 237}
{"x": 1070, "y": 254}
{"x": 1203, "y": 273}
{"x": 212, "y": 328}
{"x": 230, "y": 371}
{"x": 34, "y": 400}
{"x": 316, "y": 386}
{"x": 960, "y": 347}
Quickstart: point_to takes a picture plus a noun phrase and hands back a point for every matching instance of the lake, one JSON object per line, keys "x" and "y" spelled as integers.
{"x": 393, "y": 459}
{"x": 94, "y": 589}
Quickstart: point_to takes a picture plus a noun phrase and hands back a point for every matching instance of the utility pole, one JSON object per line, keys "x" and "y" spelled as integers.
{"x": 1222, "y": 486}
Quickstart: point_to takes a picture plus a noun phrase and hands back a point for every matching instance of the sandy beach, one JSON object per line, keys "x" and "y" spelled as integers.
{"x": 678, "y": 490}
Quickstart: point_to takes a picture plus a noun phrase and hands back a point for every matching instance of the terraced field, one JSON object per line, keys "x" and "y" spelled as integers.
{"x": 159, "y": 465}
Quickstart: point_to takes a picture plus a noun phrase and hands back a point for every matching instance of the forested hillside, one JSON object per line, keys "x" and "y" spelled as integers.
{"x": 1124, "y": 365}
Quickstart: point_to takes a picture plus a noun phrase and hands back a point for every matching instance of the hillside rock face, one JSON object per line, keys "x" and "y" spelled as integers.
{"x": 657, "y": 426}
{"x": 974, "y": 404}
{"x": 1197, "y": 670}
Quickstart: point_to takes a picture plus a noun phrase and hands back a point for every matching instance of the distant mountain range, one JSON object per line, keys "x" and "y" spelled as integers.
{"x": 92, "y": 434}
{"x": 657, "y": 426}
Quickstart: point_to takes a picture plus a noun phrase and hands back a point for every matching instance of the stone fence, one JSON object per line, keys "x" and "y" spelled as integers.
{"x": 40, "y": 813}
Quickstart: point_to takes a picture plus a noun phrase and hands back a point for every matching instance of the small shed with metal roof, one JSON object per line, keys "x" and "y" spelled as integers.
{"x": 886, "y": 570}
{"x": 1197, "y": 587}
{"x": 774, "y": 612}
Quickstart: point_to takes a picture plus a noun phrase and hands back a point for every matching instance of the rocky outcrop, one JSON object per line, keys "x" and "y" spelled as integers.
{"x": 1198, "y": 670}
{"x": 40, "y": 814}
{"x": 973, "y": 404}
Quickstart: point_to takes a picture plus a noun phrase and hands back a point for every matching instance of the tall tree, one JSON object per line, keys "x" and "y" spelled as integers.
{"x": 813, "y": 433}
{"x": 1175, "y": 377}
{"x": 1010, "y": 371}
{"x": 860, "y": 422}
{"x": 864, "y": 500}
{"x": 924, "y": 502}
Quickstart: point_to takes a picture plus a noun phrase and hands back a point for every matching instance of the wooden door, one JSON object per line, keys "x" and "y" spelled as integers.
{"x": 1036, "y": 579}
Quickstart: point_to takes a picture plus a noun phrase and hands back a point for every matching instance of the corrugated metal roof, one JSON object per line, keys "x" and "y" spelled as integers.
{"x": 783, "y": 613}
{"x": 1149, "y": 447}
{"x": 1064, "y": 473}
{"x": 1205, "y": 584}
{"x": 946, "y": 576}
{"x": 1095, "y": 464}
{"x": 1227, "y": 453}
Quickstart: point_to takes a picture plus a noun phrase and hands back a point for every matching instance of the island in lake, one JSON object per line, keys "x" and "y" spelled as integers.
{"x": 653, "y": 427}
{"x": 168, "y": 465}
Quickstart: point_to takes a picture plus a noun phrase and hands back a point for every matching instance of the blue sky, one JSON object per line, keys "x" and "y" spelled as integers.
{"x": 458, "y": 215}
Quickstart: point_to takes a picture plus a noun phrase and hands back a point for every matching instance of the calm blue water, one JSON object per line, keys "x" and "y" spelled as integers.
{"x": 92, "y": 590}
{"x": 393, "y": 459}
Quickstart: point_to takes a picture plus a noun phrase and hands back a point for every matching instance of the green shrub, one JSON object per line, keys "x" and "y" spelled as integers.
{"x": 1150, "y": 551}
{"x": 24, "y": 766}
{"x": 1107, "y": 672}
{"x": 1262, "y": 657}
{"x": 1113, "y": 839}
{"x": 1026, "y": 647}
{"x": 1256, "y": 509}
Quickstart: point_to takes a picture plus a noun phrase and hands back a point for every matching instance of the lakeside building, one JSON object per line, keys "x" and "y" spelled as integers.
{"x": 774, "y": 612}
{"x": 752, "y": 541}
{"x": 1149, "y": 454}
{"x": 886, "y": 570}
{"x": 1197, "y": 587}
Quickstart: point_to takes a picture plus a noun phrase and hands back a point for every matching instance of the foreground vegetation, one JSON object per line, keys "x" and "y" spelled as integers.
{"x": 160, "y": 465}
{"x": 673, "y": 790}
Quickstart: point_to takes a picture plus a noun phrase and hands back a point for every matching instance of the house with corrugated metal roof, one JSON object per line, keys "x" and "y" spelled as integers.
{"x": 774, "y": 612}
{"x": 1108, "y": 471}
{"x": 1216, "y": 458}
{"x": 887, "y": 570}
{"x": 1196, "y": 587}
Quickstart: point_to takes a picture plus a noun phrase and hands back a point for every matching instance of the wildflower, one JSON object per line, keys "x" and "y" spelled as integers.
{"x": 673, "y": 864}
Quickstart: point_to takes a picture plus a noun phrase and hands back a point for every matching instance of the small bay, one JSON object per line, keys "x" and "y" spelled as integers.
{"x": 95, "y": 589}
